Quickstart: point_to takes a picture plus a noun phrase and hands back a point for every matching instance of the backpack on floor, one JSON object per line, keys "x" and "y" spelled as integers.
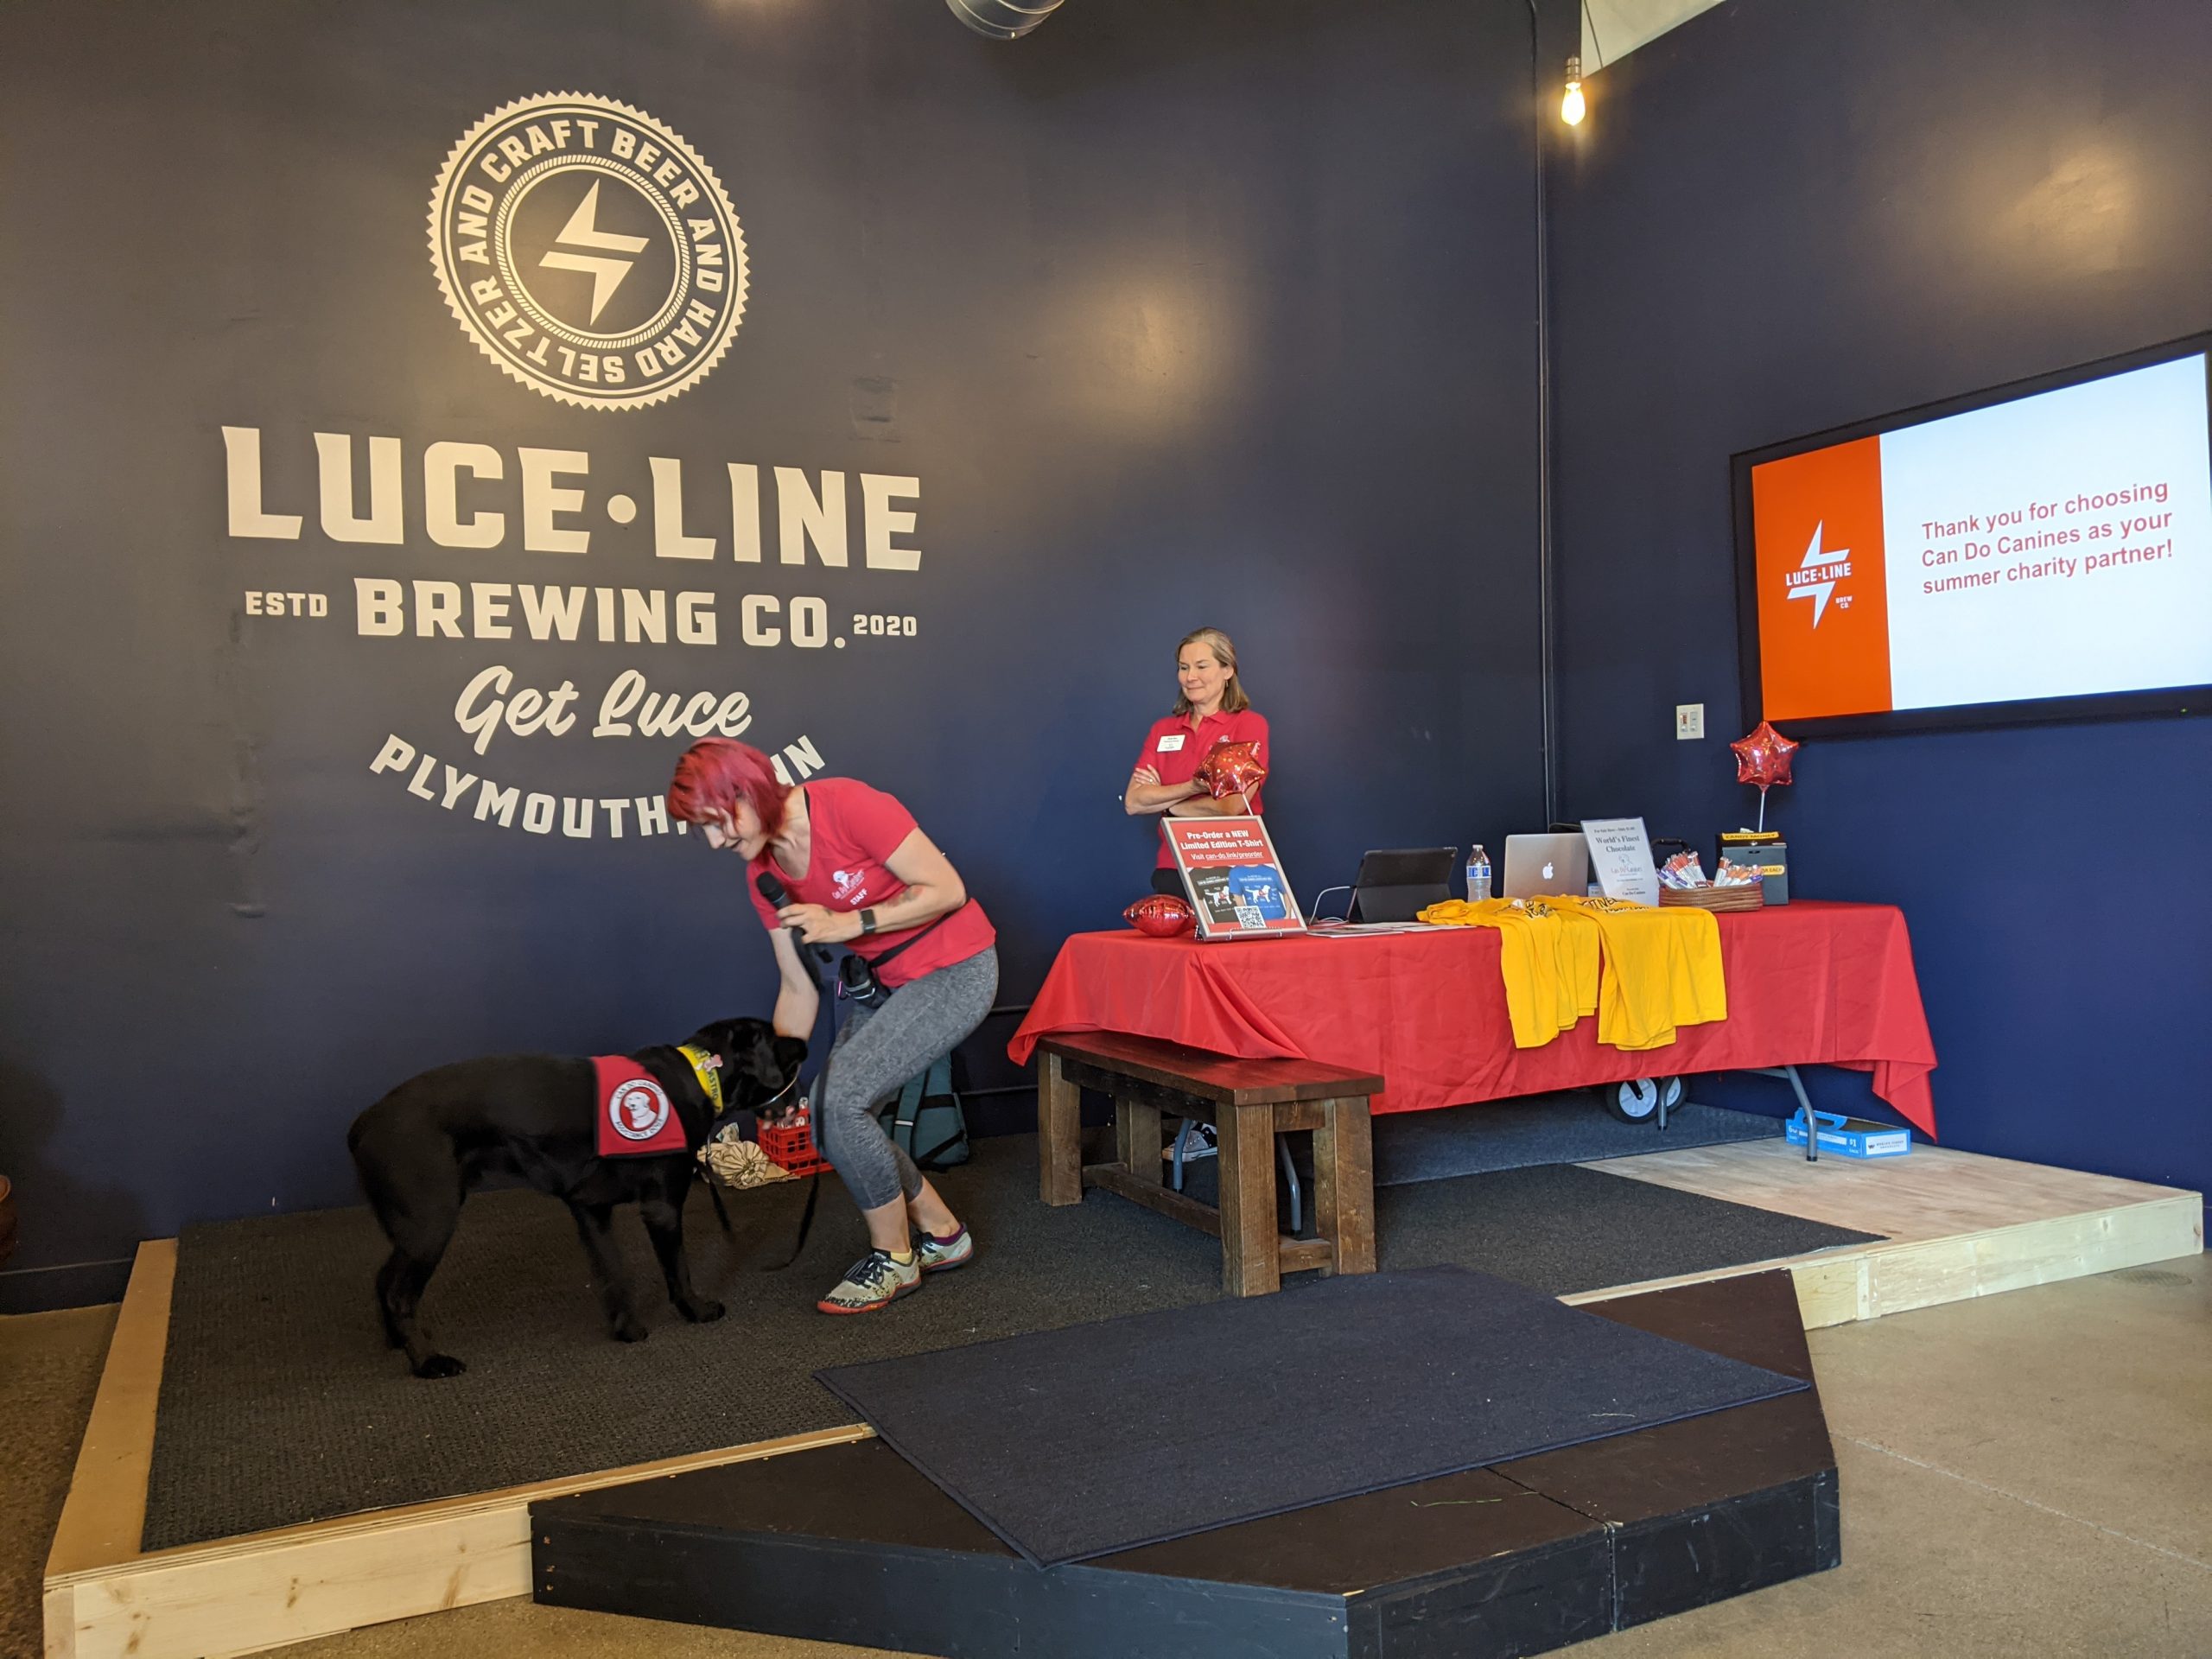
{"x": 926, "y": 1121}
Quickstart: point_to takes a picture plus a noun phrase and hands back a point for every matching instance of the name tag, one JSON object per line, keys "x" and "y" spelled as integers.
{"x": 1169, "y": 745}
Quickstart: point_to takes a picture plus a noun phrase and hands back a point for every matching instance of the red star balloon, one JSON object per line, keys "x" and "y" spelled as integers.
{"x": 1762, "y": 758}
{"x": 1232, "y": 769}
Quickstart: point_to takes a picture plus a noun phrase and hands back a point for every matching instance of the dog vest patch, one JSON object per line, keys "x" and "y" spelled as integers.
{"x": 635, "y": 1114}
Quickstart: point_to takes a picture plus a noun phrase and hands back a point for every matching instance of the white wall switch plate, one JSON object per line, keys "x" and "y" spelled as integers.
{"x": 1689, "y": 721}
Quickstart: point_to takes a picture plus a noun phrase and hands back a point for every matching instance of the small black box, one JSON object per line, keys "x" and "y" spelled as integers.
{"x": 1765, "y": 849}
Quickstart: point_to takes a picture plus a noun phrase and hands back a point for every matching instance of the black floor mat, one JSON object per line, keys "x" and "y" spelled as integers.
{"x": 1059, "y": 1443}
{"x": 281, "y": 1404}
{"x": 1562, "y": 1230}
{"x": 1564, "y": 1128}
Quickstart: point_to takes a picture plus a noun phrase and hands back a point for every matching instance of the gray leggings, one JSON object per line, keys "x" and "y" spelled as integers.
{"x": 879, "y": 1048}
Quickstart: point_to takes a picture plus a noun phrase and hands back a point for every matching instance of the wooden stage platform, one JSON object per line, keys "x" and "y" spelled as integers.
{"x": 1957, "y": 1225}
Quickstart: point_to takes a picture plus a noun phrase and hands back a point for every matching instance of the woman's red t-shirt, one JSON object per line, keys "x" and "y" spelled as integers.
{"x": 854, "y": 830}
{"x": 1176, "y": 762}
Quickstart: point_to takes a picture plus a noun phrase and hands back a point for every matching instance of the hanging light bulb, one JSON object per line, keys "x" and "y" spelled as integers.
{"x": 1570, "y": 103}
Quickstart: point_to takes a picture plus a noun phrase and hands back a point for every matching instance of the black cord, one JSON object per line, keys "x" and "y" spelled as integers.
{"x": 1342, "y": 886}
{"x": 1547, "y": 662}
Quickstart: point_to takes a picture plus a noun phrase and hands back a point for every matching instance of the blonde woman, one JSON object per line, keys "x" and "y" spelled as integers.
{"x": 1210, "y": 706}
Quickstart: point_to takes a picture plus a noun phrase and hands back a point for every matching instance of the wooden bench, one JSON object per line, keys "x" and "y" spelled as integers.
{"x": 1248, "y": 1103}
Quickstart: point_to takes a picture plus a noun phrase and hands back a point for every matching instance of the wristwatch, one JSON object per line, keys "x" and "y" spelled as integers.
{"x": 867, "y": 920}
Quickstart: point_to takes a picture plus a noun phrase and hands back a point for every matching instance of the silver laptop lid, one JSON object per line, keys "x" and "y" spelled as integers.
{"x": 1535, "y": 865}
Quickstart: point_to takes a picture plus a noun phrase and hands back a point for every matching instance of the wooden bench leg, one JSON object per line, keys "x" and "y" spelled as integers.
{"x": 1246, "y": 1164}
{"x": 1136, "y": 1139}
{"x": 1059, "y": 1133}
{"x": 1343, "y": 1185}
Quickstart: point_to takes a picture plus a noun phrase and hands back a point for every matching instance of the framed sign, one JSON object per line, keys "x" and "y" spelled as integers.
{"x": 1236, "y": 881}
{"x": 1620, "y": 857}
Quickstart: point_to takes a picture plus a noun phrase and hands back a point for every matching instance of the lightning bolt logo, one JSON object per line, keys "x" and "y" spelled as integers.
{"x": 606, "y": 274}
{"x": 571, "y": 161}
{"x": 1818, "y": 592}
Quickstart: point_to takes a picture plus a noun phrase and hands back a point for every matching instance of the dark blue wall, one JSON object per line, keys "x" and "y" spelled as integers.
{"x": 1781, "y": 218}
{"x": 1217, "y": 313}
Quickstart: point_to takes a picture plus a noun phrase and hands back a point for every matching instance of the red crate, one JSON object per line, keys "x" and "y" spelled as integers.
{"x": 790, "y": 1146}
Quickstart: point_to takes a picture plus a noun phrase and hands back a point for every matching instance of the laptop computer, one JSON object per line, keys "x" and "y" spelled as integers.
{"x": 1535, "y": 865}
{"x": 1395, "y": 884}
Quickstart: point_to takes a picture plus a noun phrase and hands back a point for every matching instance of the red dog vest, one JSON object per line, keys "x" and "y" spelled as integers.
{"x": 635, "y": 1114}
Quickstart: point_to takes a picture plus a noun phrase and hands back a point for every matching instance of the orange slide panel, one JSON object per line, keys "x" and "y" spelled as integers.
{"x": 1823, "y": 604}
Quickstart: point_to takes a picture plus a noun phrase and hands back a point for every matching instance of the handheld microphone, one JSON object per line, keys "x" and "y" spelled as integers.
{"x": 777, "y": 894}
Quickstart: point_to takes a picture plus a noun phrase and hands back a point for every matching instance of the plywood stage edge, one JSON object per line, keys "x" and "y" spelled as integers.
{"x": 1958, "y": 1225}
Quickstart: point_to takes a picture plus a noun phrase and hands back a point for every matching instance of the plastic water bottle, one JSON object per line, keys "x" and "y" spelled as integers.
{"x": 1478, "y": 874}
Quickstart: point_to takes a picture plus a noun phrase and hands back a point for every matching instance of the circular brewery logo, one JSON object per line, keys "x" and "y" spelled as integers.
{"x": 637, "y": 1109}
{"x": 587, "y": 250}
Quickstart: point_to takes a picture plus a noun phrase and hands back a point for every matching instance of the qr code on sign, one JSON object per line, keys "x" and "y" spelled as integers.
{"x": 1247, "y": 917}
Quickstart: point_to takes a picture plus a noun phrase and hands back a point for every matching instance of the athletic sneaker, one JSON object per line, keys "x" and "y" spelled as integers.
{"x": 940, "y": 1255}
{"x": 1199, "y": 1143}
{"x": 876, "y": 1281}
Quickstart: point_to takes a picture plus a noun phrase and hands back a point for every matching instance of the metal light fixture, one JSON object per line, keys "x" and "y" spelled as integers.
{"x": 1570, "y": 106}
{"x": 1003, "y": 20}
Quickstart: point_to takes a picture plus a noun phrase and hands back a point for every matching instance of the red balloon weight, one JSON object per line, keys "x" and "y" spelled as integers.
{"x": 1762, "y": 758}
{"x": 1162, "y": 915}
{"x": 1232, "y": 769}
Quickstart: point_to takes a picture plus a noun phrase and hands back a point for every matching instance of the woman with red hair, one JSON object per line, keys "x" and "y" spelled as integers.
{"x": 857, "y": 871}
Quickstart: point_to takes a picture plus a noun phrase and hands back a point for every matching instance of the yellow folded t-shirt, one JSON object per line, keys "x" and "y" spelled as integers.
{"x": 1662, "y": 970}
{"x": 1540, "y": 1000}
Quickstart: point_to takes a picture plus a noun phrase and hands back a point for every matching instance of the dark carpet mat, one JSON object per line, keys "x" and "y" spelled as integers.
{"x": 280, "y": 1404}
{"x": 1276, "y": 1403}
{"x": 1563, "y": 1128}
{"x": 1561, "y": 1229}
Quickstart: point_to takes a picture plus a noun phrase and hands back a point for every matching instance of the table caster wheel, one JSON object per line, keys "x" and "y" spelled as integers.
{"x": 1638, "y": 1100}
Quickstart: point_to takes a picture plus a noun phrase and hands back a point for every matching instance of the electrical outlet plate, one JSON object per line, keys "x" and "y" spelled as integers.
{"x": 1689, "y": 721}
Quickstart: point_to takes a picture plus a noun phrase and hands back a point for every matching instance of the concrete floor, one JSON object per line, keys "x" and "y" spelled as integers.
{"x": 2026, "y": 1475}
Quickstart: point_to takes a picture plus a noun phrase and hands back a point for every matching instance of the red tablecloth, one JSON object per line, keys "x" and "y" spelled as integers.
{"x": 1810, "y": 982}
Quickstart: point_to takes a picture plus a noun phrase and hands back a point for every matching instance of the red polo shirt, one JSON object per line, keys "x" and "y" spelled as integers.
{"x": 1174, "y": 750}
{"x": 852, "y": 831}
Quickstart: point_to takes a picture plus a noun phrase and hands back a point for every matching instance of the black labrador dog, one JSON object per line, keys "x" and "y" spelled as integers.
{"x": 424, "y": 1147}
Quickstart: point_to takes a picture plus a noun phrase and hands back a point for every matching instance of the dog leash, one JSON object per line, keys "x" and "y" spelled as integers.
{"x": 764, "y": 1109}
{"x": 813, "y": 1195}
{"x": 805, "y": 1222}
{"x": 708, "y": 1069}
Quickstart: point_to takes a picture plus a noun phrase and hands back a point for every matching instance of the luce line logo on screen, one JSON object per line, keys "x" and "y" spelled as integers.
{"x": 1817, "y": 573}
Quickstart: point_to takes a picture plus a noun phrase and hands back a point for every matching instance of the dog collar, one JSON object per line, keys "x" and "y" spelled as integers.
{"x": 708, "y": 1068}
